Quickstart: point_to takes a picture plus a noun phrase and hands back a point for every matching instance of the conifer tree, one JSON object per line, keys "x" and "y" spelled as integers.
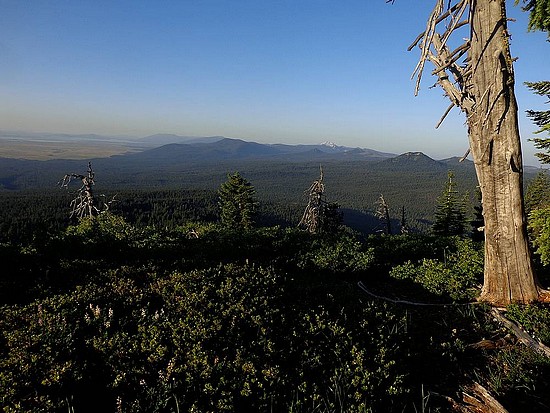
{"x": 449, "y": 214}
{"x": 539, "y": 19}
{"x": 237, "y": 202}
{"x": 541, "y": 118}
{"x": 539, "y": 14}
{"x": 537, "y": 205}
{"x": 537, "y": 194}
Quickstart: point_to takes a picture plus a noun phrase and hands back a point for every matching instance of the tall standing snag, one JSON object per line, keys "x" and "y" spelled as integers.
{"x": 311, "y": 219}
{"x": 319, "y": 215}
{"x": 383, "y": 213}
{"x": 482, "y": 86}
{"x": 84, "y": 204}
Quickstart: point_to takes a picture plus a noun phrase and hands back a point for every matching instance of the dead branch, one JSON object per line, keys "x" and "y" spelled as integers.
{"x": 452, "y": 105}
{"x": 475, "y": 399}
{"x": 464, "y": 156}
{"x": 433, "y": 47}
{"x": 426, "y": 42}
{"x": 383, "y": 213}
{"x": 406, "y": 302}
{"x": 488, "y": 344}
{"x": 451, "y": 59}
{"x": 522, "y": 336}
{"x": 479, "y": 400}
{"x": 439, "y": 20}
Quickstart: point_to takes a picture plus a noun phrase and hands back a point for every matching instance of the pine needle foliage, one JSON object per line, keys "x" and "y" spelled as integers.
{"x": 541, "y": 118}
{"x": 539, "y": 17}
{"x": 450, "y": 211}
{"x": 237, "y": 202}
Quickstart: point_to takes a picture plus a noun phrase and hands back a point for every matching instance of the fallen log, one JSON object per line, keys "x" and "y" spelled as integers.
{"x": 479, "y": 400}
{"x": 521, "y": 335}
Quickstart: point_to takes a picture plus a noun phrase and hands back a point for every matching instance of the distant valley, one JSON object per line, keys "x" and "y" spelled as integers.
{"x": 354, "y": 177}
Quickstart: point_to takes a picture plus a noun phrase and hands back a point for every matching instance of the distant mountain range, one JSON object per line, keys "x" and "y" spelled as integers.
{"x": 215, "y": 149}
{"x": 200, "y": 161}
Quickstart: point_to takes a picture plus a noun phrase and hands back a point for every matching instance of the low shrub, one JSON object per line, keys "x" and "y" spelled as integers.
{"x": 457, "y": 276}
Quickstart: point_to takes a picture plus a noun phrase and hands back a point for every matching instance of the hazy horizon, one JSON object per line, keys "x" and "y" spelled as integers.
{"x": 270, "y": 72}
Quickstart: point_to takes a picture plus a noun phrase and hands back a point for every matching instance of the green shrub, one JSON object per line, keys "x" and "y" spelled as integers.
{"x": 457, "y": 276}
{"x": 227, "y": 338}
{"x": 342, "y": 254}
{"x": 101, "y": 228}
{"x": 535, "y": 318}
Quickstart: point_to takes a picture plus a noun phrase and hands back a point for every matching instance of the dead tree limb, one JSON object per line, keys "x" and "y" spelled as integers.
{"x": 479, "y": 400}
{"x": 521, "y": 335}
{"x": 406, "y": 302}
{"x": 433, "y": 47}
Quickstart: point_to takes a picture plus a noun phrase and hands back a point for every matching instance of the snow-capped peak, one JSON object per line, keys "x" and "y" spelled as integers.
{"x": 329, "y": 144}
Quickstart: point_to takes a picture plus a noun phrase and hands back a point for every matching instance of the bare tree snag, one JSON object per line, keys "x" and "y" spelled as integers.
{"x": 320, "y": 215}
{"x": 383, "y": 213}
{"x": 311, "y": 219}
{"x": 84, "y": 204}
{"x": 482, "y": 86}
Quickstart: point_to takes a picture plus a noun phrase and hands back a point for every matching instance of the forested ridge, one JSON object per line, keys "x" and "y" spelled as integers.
{"x": 159, "y": 195}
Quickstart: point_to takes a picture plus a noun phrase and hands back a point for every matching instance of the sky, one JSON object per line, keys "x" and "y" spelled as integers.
{"x": 269, "y": 71}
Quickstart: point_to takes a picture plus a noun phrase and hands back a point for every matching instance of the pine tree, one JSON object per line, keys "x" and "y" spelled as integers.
{"x": 449, "y": 214}
{"x": 539, "y": 16}
{"x": 539, "y": 19}
{"x": 537, "y": 194}
{"x": 237, "y": 202}
{"x": 541, "y": 118}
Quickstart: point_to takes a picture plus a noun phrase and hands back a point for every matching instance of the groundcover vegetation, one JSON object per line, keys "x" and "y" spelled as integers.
{"x": 105, "y": 316}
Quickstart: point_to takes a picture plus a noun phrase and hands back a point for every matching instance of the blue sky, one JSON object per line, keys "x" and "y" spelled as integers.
{"x": 285, "y": 71}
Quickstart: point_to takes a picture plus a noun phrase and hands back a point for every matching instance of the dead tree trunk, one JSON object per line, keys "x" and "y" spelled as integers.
{"x": 483, "y": 88}
{"x": 383, "y": 213}
{"x": 495, "y": 144}
{"x": 312, "y": 217}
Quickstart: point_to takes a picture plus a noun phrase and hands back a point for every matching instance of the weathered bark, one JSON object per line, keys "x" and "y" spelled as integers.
{"x": 495, "y": 146}
{"x": 483, "y": 88}
{"x": 479, "y": 400}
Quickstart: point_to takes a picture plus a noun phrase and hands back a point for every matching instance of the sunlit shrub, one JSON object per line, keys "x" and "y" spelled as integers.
{"x": 457, "y": 275}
